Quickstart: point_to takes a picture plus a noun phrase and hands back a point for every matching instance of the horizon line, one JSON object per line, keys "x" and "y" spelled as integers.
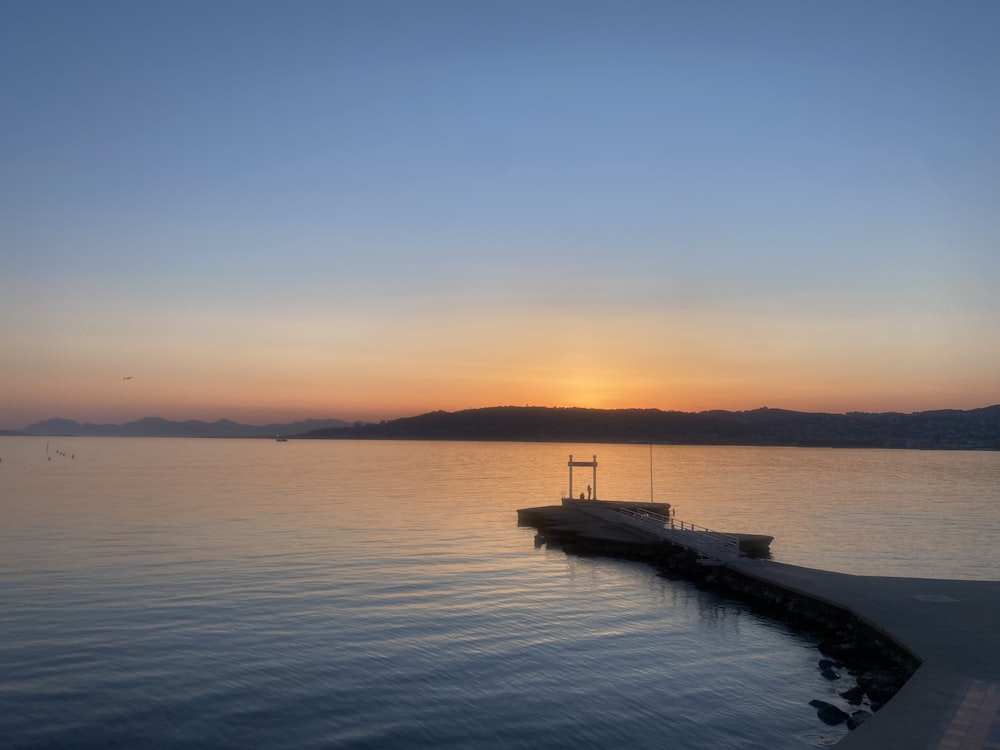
{"x": 352, "y": 422}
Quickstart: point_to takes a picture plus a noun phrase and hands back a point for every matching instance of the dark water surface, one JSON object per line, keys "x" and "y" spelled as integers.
{"x": 241, "y": 593}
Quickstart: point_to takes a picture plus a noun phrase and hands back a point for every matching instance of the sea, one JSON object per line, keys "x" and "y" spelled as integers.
{"x": 207, "y": 593}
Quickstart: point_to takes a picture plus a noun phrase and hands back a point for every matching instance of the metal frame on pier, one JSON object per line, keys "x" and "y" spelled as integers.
{"x": 593, "y": 464}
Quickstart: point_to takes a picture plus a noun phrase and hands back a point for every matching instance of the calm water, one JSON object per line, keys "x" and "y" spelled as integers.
{"x": 231, "y": 594}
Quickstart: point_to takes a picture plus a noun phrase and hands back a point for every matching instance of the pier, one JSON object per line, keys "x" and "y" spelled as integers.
{"x": 949, "y": 629}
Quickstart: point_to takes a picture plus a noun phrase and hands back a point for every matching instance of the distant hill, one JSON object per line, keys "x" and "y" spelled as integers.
{"x": 158, "y": 427}
{"x": 975, "y": 429}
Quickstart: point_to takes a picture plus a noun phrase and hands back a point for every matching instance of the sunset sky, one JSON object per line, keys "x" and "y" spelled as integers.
{"x": 267, "y": 211}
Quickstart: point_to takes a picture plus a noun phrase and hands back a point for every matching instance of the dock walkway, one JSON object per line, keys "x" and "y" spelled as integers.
{"x": 951, "y": 702}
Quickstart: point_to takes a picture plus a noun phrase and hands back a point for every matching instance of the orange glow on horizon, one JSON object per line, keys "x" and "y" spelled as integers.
{"x": 374, "y": 369}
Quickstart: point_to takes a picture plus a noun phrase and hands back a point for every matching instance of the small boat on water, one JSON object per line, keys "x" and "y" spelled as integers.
{"x": 281, "y": 439}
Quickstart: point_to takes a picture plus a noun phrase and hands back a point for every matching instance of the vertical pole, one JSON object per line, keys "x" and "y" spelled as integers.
{"x": 651, "y": 473}
{"x": 570, "y": 476}
{"x": 595, "y": 476}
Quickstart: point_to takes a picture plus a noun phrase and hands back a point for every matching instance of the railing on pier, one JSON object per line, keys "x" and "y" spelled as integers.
{"x": 711, "y": 546}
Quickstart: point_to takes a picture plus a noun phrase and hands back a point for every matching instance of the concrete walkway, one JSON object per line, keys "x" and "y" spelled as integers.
{"x": 952, "y": 702}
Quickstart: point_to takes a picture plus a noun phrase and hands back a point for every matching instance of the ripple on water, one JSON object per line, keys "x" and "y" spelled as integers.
{"x": 218, "y": 593}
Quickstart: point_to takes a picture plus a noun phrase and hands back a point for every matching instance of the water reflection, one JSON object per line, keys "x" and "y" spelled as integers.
{"x": 374, "y": 594}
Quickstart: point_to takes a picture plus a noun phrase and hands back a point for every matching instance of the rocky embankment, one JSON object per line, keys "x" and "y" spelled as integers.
{"x": 869, "y": 665}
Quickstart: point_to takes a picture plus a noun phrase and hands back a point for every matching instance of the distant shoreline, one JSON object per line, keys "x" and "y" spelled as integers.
{"x": 159, "y": 427}
{"x": 975, "y": 429}
{"x": 951, "y": 429}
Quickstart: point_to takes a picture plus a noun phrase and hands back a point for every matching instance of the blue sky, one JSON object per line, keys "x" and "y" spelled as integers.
{"x": 372, "y": 209}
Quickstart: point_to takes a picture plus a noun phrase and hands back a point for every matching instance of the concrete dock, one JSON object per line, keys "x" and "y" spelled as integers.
{"x": 952, "y": 701}
{"x": 951, "y": 627}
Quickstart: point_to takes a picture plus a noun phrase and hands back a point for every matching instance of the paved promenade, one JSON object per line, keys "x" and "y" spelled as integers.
{"x": 952, "y": 702}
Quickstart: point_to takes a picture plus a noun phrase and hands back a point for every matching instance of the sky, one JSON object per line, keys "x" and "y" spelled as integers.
{"x": 267, "y": 211}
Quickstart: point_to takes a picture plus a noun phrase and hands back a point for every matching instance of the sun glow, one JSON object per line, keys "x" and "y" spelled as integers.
{"x": 627, "y": 248}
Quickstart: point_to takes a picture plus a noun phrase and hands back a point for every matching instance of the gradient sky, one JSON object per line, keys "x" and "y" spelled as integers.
{"x": 270, "y": 211}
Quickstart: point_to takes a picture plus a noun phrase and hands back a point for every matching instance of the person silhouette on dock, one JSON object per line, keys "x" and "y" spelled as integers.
{"x": 588, "y": 492}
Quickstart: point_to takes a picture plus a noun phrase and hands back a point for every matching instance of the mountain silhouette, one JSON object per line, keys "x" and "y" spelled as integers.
{"x": 947, "y": 429}
{"x": 975, "y": 429}
{"x": 159, "y": 427}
